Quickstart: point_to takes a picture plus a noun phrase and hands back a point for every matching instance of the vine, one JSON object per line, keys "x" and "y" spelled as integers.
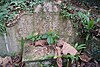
{"x": 12, "y": 10}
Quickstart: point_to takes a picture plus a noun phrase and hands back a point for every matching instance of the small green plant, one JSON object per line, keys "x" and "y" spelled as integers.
{"x": 86, "y": 25}
{"x": 79, "y": 46}
{"x": 86, "y": 22}
{"x": 98, "y": 20}
{"x": 34, "y": 37}
{"x": 51, "y": 37}
{"x": 71, "y": 57}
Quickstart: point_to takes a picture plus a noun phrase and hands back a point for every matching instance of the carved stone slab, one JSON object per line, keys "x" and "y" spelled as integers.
{"x": 32, "y": 53}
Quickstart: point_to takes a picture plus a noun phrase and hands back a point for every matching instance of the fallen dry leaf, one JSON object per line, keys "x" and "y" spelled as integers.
{"x": 84, "y": 58}
{"x": 41, "y": 43}
{"x": 66, "y": 48}
{"x": 5, "y": 61}
{"x": 58, "y": 53}
{"x": 59, "y": 62}
{"x": 63, "y": 48}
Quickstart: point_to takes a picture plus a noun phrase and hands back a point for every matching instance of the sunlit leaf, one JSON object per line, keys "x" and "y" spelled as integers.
{"x": 44, "y": 36}
{"x": 80, "y": 14}
{"x": 87, "y": 37}
{"x": 98, "y": 20}
{"x": 81, "y": 46}
{"x": 86, "y": 18}
{"x": 76, "y": 45}
{"x": 33, "y": 39}
{"x": 29, "y": 37}
{"x": 90, "y": 24}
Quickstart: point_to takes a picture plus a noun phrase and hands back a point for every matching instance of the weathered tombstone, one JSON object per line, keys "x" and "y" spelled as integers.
{"x": 42, "y": 21}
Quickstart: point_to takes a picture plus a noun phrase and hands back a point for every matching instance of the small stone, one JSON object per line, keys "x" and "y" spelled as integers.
{"x": 96, "y": 7}
{"x": 58, "y": 2}
{"x": 38, "y": 8}
{"x": 49, "y": 6}
{"x": 55, "y": 9}
{"x": 45, "y": 7}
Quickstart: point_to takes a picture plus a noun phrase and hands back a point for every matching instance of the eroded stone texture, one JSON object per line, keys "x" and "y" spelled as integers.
{"x": 3, "y": 50}
{"x": 42, "y": 23}
{"x": 22, "y": 29}
{"x": 37, "y": 53}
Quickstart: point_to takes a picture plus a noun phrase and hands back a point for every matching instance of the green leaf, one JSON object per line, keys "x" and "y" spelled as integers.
{"x": 56, "y": 37}
{"x": 80, "y": 14}
{"x": 79, "y": 47}
{"x": 29, "y": 37}
{"x": 90, "y": 24}
{"x": 14, "y": 2}
{"x": 32, "y": 4}
{"x": 86, "y": 18}
{"x": 39, "y": 37}
{"x": 98, "y": 20}
{"x": 33, "y": 39}
{"x": 45, "y": 36}
{"x": 82, "y": 46}
{"x": 76, "y": 45}
{"x": 77, "y": 57}
{"x": 83, "y": 17}
{"x": 55, "y": 57}
{"x": 87, "y": 37}
{"x": 50, "y": 40}
{"x": 50, "y": 56}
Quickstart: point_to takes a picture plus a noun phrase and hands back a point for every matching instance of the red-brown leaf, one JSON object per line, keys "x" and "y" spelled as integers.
{"x": 58, "y": 53}
{"x": 66, "y": 48}
{"x": 41, "y": 43}
{"x": 84, "y": 58}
